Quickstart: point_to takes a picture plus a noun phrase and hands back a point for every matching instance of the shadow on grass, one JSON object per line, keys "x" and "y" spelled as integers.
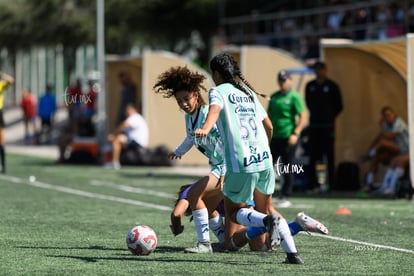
{"x": 157, "y": 256}
{"x": 161, "y": 249}
{"x": 92, "y": 247}
{"x": 141, "y": 259}
{"x": 157, "y": 175}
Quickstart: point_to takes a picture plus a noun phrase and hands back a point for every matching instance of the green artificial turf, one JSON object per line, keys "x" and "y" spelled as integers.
{"x": 73, "y": 220}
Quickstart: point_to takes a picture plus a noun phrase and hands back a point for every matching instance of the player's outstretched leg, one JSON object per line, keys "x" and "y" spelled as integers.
{"x": 311, "y": 225}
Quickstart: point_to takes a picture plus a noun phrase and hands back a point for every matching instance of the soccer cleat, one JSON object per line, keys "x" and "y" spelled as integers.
{"x": 200, "y": 247}
{"x": 272, "y": 226}
{"x": 310, "y": 225}
{"x": 219, "y": 247}
{"x": 293, "y": 258}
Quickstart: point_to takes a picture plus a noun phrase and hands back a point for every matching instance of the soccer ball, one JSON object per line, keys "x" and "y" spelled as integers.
{"x": 141, "y": 240}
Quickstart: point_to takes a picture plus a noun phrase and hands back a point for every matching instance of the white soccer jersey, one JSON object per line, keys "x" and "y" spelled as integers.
{"x": 137, "y": 129}
{"x": 246, "y": 145}
{"x": 211, "y": 145}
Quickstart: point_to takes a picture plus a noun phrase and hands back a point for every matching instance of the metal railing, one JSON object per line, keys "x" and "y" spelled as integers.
{"x": 311, "y": 24}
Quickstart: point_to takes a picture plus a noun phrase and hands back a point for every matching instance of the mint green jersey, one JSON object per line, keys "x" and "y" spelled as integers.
{"x": 246, "y": 146}
{"x": 211, "y": 145}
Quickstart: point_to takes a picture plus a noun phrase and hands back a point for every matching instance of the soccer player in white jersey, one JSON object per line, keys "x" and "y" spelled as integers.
{"x": 185, "y": 87}
{"x": 246, "y": 131}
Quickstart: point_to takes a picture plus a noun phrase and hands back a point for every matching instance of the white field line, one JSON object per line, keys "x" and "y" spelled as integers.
{"x": 369, "y": 246}
{"x": 130, "y": 189}
{"x": 83, "y": 193}
{"x": 38, "y": 184}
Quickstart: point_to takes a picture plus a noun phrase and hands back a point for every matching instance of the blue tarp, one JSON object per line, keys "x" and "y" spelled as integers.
{"x": 301, "y": 71}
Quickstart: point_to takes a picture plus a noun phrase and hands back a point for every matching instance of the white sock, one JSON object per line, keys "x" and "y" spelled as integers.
{"x": 217, "y": 226}
{"x": 369, "y": 179}
{"x": 286, "y": 239}
{"x": 249, "y": 217}
{"x": 372, "y": 153}
{"x": 387, "y": 178}
{"x": 396, "y": 174}
{"x": 200, "y": 218}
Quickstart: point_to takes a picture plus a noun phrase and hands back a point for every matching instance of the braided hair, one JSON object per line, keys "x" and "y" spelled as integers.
{"x": 180, "y": 78}
{"x": 230, "y": 71}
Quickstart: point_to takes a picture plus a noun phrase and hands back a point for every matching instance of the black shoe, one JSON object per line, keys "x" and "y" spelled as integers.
{"x": 272, "y": 226}
{"x": 293, "y": 258}
{"x": 219, "y": 247}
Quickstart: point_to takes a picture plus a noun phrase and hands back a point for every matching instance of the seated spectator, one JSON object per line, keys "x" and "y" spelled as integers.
{"x": 394, "y": 173}
{"x": 82, "y": 127}
{"x": 391, "y": 144}
{"x": 64, "y": 139}
{"x": 91, "y": 99}
{"x": 133, "y": 131}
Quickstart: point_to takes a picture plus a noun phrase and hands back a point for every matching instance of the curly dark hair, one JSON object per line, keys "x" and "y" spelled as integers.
{"x": 227, "y": 67}
{"x": 180, "y": 78}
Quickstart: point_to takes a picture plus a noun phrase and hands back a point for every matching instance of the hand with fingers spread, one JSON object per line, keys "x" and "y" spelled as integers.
{"x": 172, "y": 156}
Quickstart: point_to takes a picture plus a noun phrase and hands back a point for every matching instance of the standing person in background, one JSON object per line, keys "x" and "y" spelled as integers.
{"x": 73, "y": 100}
{"x": 324, "y": 101}
{"x": 128, "y": 94}
{"x": 286, "y": 111}
{"x": 5, "y": 81}
{"x": 246, "y": 131}
{"x": 28, "y": 105}
{"x": 91, "y": 98}
{"x": 47, "y": 107}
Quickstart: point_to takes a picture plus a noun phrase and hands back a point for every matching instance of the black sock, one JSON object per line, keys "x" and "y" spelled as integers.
{"x": 3, "y": 159}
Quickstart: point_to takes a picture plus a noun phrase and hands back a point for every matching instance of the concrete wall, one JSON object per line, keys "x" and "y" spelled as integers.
{"x": 261, "y": 64}
{"x": 165, "y": 119}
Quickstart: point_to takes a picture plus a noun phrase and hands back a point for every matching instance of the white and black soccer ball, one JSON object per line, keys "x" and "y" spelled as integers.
{"x": 141, "y": 240}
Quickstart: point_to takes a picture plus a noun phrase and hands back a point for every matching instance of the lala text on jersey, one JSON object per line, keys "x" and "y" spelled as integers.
{"x": 255, "y": 157}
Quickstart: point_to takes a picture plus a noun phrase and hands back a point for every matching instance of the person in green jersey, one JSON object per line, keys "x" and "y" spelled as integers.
{"x": 185, "y": 86}
{"x": 286, "y": 111}
{"x": 246, "y": 130}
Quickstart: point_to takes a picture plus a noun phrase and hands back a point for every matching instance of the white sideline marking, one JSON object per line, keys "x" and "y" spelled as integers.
{"x": 371, "y": 245}
{"x": 130, "y": 189}
{"x": 166, "y": 208}
{"x": 83, "y": 193}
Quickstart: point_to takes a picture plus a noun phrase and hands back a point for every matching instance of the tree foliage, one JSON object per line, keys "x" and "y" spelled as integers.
{"x": 71, "y": 23}
{"x": 157, "y": 23}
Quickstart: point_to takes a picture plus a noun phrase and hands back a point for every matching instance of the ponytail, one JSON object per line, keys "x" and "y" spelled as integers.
{"x": 229, "y": 70}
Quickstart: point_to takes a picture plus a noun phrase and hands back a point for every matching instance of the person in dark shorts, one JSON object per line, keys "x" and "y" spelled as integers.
{"x": 47, "y": 108}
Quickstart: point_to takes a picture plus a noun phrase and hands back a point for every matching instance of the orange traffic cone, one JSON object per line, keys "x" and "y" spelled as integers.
{"x": 343, "y": 211}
